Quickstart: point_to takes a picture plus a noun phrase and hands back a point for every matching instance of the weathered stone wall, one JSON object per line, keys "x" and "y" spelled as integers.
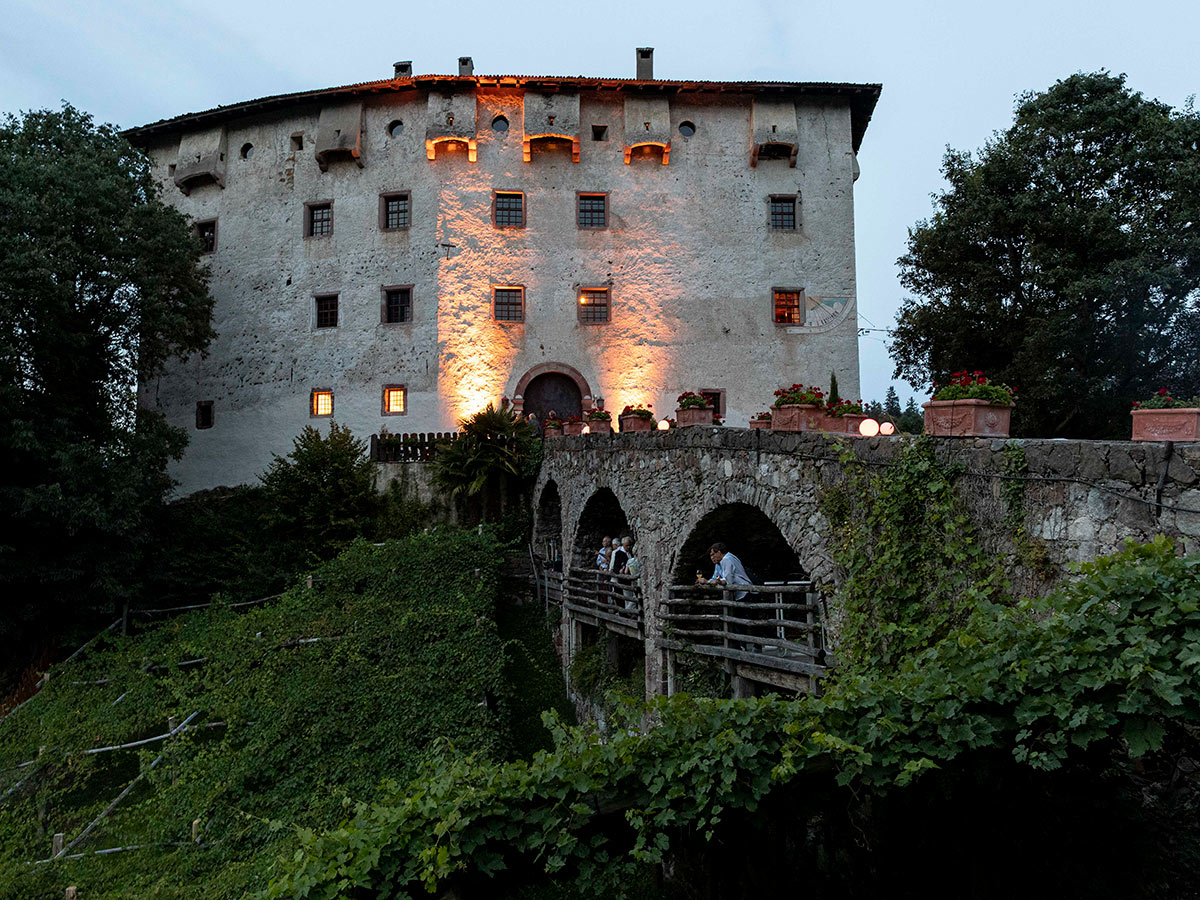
{"x": 688, "y": 255}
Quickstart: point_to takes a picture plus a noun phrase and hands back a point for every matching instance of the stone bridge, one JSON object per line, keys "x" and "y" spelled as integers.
{"x": 678, "y": 491}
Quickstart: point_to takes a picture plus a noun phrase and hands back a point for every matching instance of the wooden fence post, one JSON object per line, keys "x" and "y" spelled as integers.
{"x": 70, "y": 893}
{"x": 56, "y": 844}
{"x": 195, "y": 831}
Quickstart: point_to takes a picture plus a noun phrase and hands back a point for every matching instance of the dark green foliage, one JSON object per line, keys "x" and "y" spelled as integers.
{"x": 408, "y": 663}
{"x": 834, "y": 396}
{"x": 891, "y": 402}
{"x": 100, "y": 283}
{"x": 912, "y": 420}
{"x": 321, "y": 495}
{"x": 1049, "y": 707}
{"x": 494, "y": 460}
{"x": 533, "y": 680}
{"x": 1064, "y": 260}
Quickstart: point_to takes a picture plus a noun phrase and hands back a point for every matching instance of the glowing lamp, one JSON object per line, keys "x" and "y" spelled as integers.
{"x": 887, "y": 428}
{"x": 583, "y": 301}
{"x": 868, "y": 428}
{"x": 587, "y": 429}
{"x": 664, "y": 425}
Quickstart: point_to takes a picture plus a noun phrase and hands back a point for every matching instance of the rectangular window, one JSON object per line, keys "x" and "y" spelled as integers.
{"x": 599, "y": 132}
{"x": 593, "y": 306}
{"x": 206, "y": 231}
{"x": 395, "y": 400}
{"x": 508, "y": 209}
{"x": 592, "y": 211}
{"x": 204, "y": 414}
{"x": 321, "y": 403}
{"x": 318, "y": 219}
{"x": 397, "y": 305}
{"x": 783, "y": 213}
{"x": 789, "y": 306}
{"x": 327, "y": 310}
{"x": 508, "y": 304}
{"x": 716, "y": 399}
{"x": 394, "y": 211}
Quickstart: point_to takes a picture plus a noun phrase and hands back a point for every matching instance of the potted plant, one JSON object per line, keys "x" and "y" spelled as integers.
{"x": 573, "y": 425}
{"x": 599, "y": 421}
{"x": 693, "y": 409}
{"x": 637, "y": 418}
{"x": 969, "y": 406}
{"x": 844, "y": 417}
{"x": 761, "y": 420}
{"x": 798, "y": 408}
{"x": 1163, "y": 418}
{"x": 552, "y": 427}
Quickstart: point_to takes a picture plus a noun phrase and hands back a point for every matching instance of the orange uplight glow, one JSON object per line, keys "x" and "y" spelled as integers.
{"x": 887, "y": 428}
{"x": 868, "y": 428}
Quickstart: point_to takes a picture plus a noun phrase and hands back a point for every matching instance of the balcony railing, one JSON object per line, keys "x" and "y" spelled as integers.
{"x": 605, "y": 599}
{"x": 408, "y": 447}
{"x": 772, "y": 627}
{"x": 548, "y": 580}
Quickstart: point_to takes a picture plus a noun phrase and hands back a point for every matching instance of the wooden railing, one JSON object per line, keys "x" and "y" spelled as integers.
{"x": 548, "y": 580}
{"x": 409, "y": 447}
{"x": 606, "y": 599}
{"x": 773, "y": 626}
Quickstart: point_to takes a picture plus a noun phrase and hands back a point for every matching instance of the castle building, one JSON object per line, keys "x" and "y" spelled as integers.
{"x": 403, "y": 252}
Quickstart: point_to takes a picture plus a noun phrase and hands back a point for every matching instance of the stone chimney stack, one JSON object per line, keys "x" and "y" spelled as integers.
{"x": 466, "y": 67}
{"x": 403, "y": 68}
{"x": 645, "y": 63}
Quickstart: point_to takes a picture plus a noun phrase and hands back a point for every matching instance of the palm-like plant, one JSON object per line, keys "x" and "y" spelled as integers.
{"x": 496, "y": 452}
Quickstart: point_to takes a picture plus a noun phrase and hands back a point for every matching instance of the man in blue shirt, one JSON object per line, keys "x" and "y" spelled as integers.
{"x": 728, "y": 569}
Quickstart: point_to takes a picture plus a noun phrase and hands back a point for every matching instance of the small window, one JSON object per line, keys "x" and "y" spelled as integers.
{"x": 206, "y": 232}
{"x": 599, "y": 132}
{"x": 318, "y": 219}
{"x": 298, "y": 141}
{"x": 789, "y": 306}
{"x": 508, "y": 304}
{"x": 783, "y": 212}
{"x": 395, "y": 400}
{"x": 687, "y": 129}
{"x": 321, "y": 403}
{"x": 774, "y": 151}
{"x": 327, "y": 310}
{"x": 500, "y": 124}
{"x": 394, "y": 211}
{"x": 204, "y": 414}
{"x": 593, "y": 306}
{"x": 592, "y": 211}
{"x": 395, "y": 128}
{"x": 508, "y": 209}
{"x": 397, "y": 305}
{"x": 247, "y": 151}
{"x": 716, "y": 399}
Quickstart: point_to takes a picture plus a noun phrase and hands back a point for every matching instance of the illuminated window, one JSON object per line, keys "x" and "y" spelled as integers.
{"x": 395, "y": 400}
{"x": 318, "y": 219}
{"x": 593, "y": 306}
{"x": 789, "y": 306}
{"x": 508, "y": 304}
{"x": 397, "y": 304}
{"x": 783, "y": 213}
{"x": 592, "y": 211}
{"x": 508, "y": 209}
{"x": 321, "y": 403}
{"x": 204, "y": 414}
{"x": 394, "y": 211}
{"x": 327, "y": 310}
{"x": 206, "y": 231}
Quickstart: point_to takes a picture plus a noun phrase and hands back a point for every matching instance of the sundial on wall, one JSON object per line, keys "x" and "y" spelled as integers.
{"x": 822, "y": 313}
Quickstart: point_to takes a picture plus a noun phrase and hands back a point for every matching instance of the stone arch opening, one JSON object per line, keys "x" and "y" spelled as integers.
{"x": 547, "y": 532}
{"x": 749, "y": 534}
{"x": 602, "y": 517}
{"x": 552, "y": 386}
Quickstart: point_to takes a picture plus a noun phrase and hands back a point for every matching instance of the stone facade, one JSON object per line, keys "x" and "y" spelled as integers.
{"x": 687, "y": 251}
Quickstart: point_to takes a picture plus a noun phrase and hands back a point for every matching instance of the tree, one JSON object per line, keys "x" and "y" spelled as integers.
{"x": 1064, "y": 260}
{"x": 912, "y": 421}
{"x": 100, "y": 283}
{"x": 891, "y": 402}
{"x": 496, "y": 456}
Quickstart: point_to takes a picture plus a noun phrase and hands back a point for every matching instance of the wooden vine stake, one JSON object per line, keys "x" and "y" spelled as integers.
{"x": 56, "y": 844}
{"x": 70, "y": 893}
{"x": 195, "y": 831}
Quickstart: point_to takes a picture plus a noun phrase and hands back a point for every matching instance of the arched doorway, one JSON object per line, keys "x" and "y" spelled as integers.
{"x": 553, "y": 391}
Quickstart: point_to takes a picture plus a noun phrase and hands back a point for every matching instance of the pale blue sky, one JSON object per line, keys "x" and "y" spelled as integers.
{"x": 950, "y": 71}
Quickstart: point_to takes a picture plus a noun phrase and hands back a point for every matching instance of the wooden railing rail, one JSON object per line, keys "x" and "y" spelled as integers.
{"x": 408, "y": 447}
{"x": 605, "y": 596}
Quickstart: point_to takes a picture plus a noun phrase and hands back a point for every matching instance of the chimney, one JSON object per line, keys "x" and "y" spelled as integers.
{"x": 403, "y": 68}
{"x": 645, "y": 63}
{"x": 466, "y": 67}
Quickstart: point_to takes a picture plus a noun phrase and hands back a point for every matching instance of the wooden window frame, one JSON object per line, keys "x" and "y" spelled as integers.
{"x": 309, "y": 207}
{"x": 312, "y": 403}
{"x": 383, "y": 304}
{"x": 508, "y": 287}
{"x": 383, "y": 217}
{"x": 383, "y": 404}
{"x": 800, "y": 309}
{"x": 337, "y": 312}
{"x": 775, "y": 198}
{"x": 579, "y": 197}
{"x": 580, "y": 307}
{"x": 496, "y": 195}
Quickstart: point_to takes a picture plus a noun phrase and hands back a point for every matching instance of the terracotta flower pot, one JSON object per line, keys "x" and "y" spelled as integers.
{"x": 636, "y": 423}
{"x": 760, "y": 423}
{"x": 966, "y": 418}
{"x": 570, "y": 428}
{"x": 685, "y": 417}
{"x": 797, "y": 417}
{"x": 600, "y": 426}
{"x": 1166, "y": 424}
{"x": 552, "y": 431}
{"x": 847, "y": 424}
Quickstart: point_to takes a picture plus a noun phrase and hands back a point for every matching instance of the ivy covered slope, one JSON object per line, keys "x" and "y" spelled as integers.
{"x": 1096, "y": 685}
{"x": 393, "y": 653}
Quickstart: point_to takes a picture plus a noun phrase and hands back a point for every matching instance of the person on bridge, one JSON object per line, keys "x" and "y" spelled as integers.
{"x": 604, "y": 553}
{"x": 728, "y": 569}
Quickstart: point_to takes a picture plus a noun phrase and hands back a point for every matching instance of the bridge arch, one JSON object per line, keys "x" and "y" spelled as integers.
{"x": 548, "y": 526}
{"x": 602, "y": 516}
{"x": 749, "y": 534}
